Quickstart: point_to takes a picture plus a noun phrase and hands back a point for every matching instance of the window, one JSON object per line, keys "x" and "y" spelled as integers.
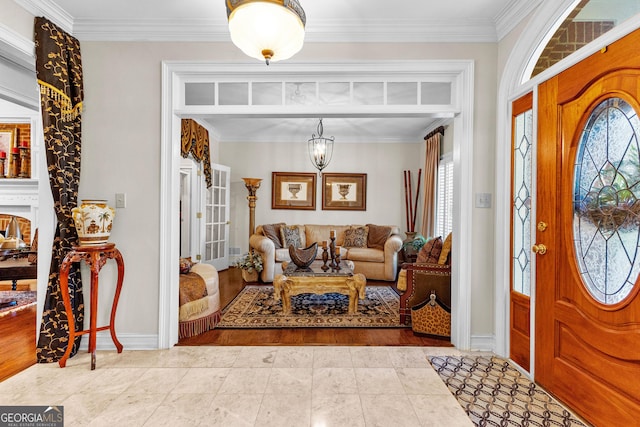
{"x": 444, "y": 205}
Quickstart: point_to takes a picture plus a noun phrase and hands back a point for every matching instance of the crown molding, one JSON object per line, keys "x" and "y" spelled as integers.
{"x": 514, "y": 13}
{"x": 50, "y": 10}
{"x": 318, "y": 31}
{"x": 402, "y": 31}
{"x": 334, "y": 31}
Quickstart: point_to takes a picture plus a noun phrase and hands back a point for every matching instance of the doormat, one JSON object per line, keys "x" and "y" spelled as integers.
{"x": 494, "y": 393}
{"x": 255, "y": 307}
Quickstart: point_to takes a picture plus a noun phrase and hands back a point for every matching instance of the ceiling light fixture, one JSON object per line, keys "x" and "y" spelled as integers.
{"x": 270, "y": 30}
{"x": 320, "y": 149}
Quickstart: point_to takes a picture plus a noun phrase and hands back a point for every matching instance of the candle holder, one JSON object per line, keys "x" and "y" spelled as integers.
{"x": 325, "y": 257}
{"x": 337, "y": 258}
{"x": 25, "y": 162}
{"x": 14, "y": 164}
{"x": 332, "y": 249}
{"x": 2, "y": 163}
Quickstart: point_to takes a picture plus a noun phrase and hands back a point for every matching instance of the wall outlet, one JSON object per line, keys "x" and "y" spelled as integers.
{"x": 121, "y": 200}
{"x": 483, "y": 200}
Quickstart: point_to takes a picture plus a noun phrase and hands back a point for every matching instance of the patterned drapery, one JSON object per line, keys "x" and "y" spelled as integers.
{"x": 59, "y": 72}
{"x": 432, "y": 158}
{"x": 195, "y": 141}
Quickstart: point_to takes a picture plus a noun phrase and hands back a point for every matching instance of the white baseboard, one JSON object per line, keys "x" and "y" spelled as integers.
{"x": 129, "y": 341}
{"x": 483, "y": 343}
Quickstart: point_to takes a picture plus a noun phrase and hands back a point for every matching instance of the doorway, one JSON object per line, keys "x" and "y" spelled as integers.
{"x": 460, "y": 111}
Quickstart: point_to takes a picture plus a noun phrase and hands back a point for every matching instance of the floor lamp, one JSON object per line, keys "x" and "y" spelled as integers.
{"x": 252, "y": 185}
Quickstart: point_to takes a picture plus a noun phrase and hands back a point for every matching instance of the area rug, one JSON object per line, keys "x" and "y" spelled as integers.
{"x": 494, "y": 393}
{"x": 255, "y": 307}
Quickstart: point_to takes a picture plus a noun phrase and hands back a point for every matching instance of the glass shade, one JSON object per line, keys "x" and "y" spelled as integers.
{"x": 266, "y": 30}
{"x": 320, "y": 149}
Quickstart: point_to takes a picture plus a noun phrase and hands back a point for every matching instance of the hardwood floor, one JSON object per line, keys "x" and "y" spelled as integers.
{"x": 231, "y": 284}
{"x": 18, "y": 350}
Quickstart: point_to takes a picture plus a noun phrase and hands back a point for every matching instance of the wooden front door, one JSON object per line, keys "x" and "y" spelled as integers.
{"x": 587, "y": 331}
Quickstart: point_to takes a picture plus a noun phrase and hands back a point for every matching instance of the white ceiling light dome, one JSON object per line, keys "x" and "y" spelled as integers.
{"x": 270, "y": 30}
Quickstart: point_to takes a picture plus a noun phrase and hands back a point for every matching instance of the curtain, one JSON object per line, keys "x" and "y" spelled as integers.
{"x": 59, "y": 72}
{"x": 195, "y": 141}
{"x": 432, "y": 158}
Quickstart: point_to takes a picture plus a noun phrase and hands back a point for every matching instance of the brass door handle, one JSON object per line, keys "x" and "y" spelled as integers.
{"x": 539, "y": 249}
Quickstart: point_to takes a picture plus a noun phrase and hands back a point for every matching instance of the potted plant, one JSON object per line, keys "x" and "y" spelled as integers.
{"x": 412, "y": 245}
{"x": 251, "y": 266}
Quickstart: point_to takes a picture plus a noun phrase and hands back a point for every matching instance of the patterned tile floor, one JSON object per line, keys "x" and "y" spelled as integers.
{"x": 245, "y": 386}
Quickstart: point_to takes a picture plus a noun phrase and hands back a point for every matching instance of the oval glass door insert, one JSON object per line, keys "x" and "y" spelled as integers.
{"x": 606, "y": 213}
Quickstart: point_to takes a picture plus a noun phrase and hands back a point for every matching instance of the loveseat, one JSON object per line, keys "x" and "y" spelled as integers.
{"x": 373, "y": 249}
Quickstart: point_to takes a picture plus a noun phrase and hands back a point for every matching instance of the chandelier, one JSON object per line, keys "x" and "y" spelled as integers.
{"x": 269, "y": 30}
{"x": 320, "y": 149}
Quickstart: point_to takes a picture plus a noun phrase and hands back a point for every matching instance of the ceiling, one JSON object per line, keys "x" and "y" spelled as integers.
{"x": 364, "y": 21}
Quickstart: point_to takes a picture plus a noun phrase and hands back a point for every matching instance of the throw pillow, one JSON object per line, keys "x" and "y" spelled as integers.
{"x": 290, "y": 235}
{"x": 446, "y": 250}
{"x": 185, "y": 265}
{"x": 378, "y": 235}
{"x": 430, "y": 252}
{"x": 272, "y": 231}
{"x": 355, "y": 237}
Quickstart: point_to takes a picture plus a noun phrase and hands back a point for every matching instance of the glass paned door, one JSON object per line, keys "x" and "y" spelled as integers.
{"x": 215, "y": 249}
{"x": 521, "y": 216}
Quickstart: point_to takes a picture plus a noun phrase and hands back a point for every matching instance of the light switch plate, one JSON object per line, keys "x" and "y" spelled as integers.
{"x": 121, "y": 200}
{"x": 483, "y": 200}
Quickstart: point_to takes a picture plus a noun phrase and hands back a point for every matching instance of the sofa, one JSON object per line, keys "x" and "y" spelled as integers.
{"x": 373, "y": 249}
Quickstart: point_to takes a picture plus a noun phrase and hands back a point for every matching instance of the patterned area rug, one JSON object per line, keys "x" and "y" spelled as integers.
{"x": 494, "y": 393}
{"x": 255, "y": 307}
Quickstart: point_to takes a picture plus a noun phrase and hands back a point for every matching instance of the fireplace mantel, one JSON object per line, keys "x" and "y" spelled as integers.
{"x": 19, "y": 197}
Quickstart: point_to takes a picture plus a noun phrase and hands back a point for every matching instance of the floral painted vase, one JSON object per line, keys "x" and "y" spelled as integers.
{"x": 93, "y": 220}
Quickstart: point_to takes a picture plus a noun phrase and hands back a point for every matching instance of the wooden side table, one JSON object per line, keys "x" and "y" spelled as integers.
{"x": 96, "y": 257}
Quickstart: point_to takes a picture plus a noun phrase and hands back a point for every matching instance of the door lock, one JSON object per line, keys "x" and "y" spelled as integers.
{"x": 539, "y": 249}
{"x": 542, "y": 226}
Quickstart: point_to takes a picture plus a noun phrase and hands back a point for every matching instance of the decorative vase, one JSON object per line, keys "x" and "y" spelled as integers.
{"x": 93, "y": 220}
{"x": 409, "y": 253}
{"x": 250, "y": 276}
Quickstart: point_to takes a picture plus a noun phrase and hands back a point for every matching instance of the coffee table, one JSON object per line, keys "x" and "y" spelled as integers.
{"x": 314, "y": 280}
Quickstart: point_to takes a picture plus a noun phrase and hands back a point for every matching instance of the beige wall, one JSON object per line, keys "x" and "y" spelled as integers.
{"x": 16, "y": 18}
{"x": 383, "y": 163}
{"x": 121, "y": 153}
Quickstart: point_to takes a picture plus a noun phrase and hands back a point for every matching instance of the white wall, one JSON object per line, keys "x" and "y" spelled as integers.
{"x": 121, "y": 148}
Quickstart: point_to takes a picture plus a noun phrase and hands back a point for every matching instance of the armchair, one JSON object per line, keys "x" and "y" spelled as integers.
{"x": 416, "y": 281}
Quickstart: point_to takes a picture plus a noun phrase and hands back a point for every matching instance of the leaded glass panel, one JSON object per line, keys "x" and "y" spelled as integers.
{"x": 521, "y": 202}
{"x": 606, "y": 188}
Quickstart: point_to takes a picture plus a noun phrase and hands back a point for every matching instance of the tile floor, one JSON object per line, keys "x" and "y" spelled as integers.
{"x": 245, "y": 386}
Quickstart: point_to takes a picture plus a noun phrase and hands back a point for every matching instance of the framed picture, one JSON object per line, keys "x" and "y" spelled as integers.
{"x": 292, "y": 190}
{"x": 344, "y": 191}
{"x": 7, "y": 143}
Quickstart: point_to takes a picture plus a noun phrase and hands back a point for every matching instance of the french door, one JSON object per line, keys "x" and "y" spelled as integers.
{"x": 215, "y": 224}
{"x": 588, "y": 174}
